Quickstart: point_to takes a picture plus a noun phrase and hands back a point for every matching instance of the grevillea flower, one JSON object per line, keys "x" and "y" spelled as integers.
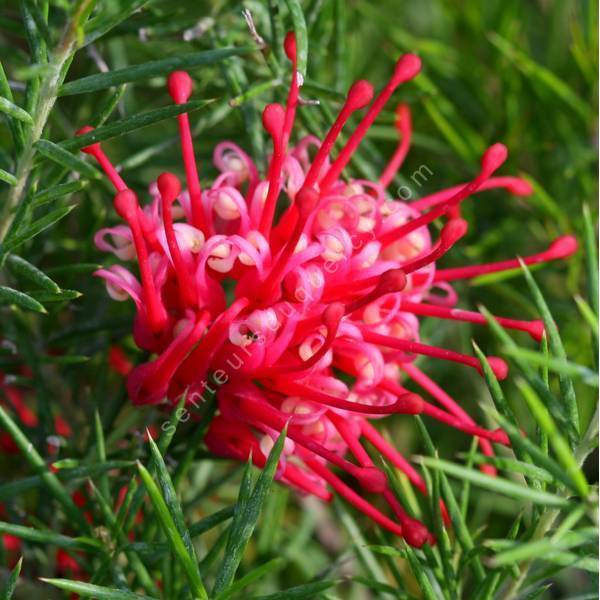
{"x": 296, "y": 297}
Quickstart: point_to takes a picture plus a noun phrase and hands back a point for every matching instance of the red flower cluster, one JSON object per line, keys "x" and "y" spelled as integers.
{"x": 296, "y": 297}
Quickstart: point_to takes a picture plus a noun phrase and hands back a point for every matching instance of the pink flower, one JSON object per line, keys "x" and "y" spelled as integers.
{"x": 311, "y": 318}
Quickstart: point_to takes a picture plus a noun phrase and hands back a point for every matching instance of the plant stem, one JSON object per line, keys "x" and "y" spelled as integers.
{"x": 46, "y": 99}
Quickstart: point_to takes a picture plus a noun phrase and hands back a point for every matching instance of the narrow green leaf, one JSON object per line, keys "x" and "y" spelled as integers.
{"x": 462, "y": 531}
{"x": 245, "y": 520}
{"x": 36, "y": 228}
{"x": 109, "y": 106}
{"x": 520, "y": 442}
{"x": 534, "y": 594}
{"x": 361, "y": 549}
{"x": 308, "y": 590}
{"x": 150, "y": 69}
{"x": 65, "y": 359}
{"x": 465, "y": 492}
{"x": 104, "y": 21}
{"x": 254, "y": 92}
{"x": 64, "y": 158}
{"x": 215, "y": 551}
{"x": 101, "y": 453}
{"x": 14, "y": 111}
{"x": 39, "y": 19}
{"x": 449, "y": 575}
{"x": 572, "y": 560}
{"x": 387, "y": 551}
{"x": 588, "y": 314}
{"x": 534, "y": 379}
{"x": 270, "y": 566}
{"x": 207, "y": 523}
{"x": 177, "y": 544}
{"x": 445, "y": 574}
{"x": 21, "y": 486}
{"x": 513, "y": 466}
{"x": 9, "y": 296}
{"x": 170, "y": 497}
{"x": 591, "y": 258}
{"x": 117, "y": 128}
{"x": 196, "y": 529}
{"x": 58, "y": 191}
{"x": 74, "y": 269}
{"x": 88, "y": 590}
{"x": 376, "y": 586}
{"x": 486, "y": 590}
{"x": 539, "y": 549}
{"x": 59, "y": 540}
{"x": 496, "y": 484}
{"x": 62, "y": 296}
{"x": 558, "y": 442}
{"x": 494, "y": 385}
{"x": 15, "y": 126}
{"x": 556, "y": 346}
{"x": 7, "y": 177}
{"x": 420, "y": 574}
{"x": 20, "y": 266}
{"x": 556, "y": 365}
{"x": 11, "y": 582}
{"x": 66, "y": 463}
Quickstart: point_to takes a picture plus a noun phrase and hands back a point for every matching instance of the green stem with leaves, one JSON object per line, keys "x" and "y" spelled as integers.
{"x": 48, "y": 94}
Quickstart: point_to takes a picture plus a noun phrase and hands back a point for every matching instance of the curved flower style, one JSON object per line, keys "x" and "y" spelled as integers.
{"x": 296, "y": 297}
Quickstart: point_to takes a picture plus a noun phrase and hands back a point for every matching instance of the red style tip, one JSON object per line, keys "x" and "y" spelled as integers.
{"x": 372, "y": 479}
{"x": 273, "y": 118}
{"x": 536, "y": 329}
{"x": 454, "y": 230}
{"x": 306, "y": 201}
{"x": 289, "y": 45}
{"x": 333, "y": 314}
{"x": 391, "y": 281}
{"x": 179, "y": 85}
{"x": 359, "y": 95}
{"x": 493, "y": 158}
{"x": 407, "y": 67}
{"x": 409, "y": 404}
{"x": 168, "y": 186}
{"x": 415, "y": 533}
{"x": 118, "y": 361}
{"x": 520, "y": 187}
{"x": 563, "y": 247}
{"x": 126, "y": 205}
{"x": 498, "y": 366}
{"x": 92, "y": 149}
{"x": 84, "y": 129}
{"x": 500, "y": 437}
{"x": 489, "y": 470}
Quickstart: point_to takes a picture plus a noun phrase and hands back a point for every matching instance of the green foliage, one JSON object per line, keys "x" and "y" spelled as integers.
{"x": 166, "y": 519}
